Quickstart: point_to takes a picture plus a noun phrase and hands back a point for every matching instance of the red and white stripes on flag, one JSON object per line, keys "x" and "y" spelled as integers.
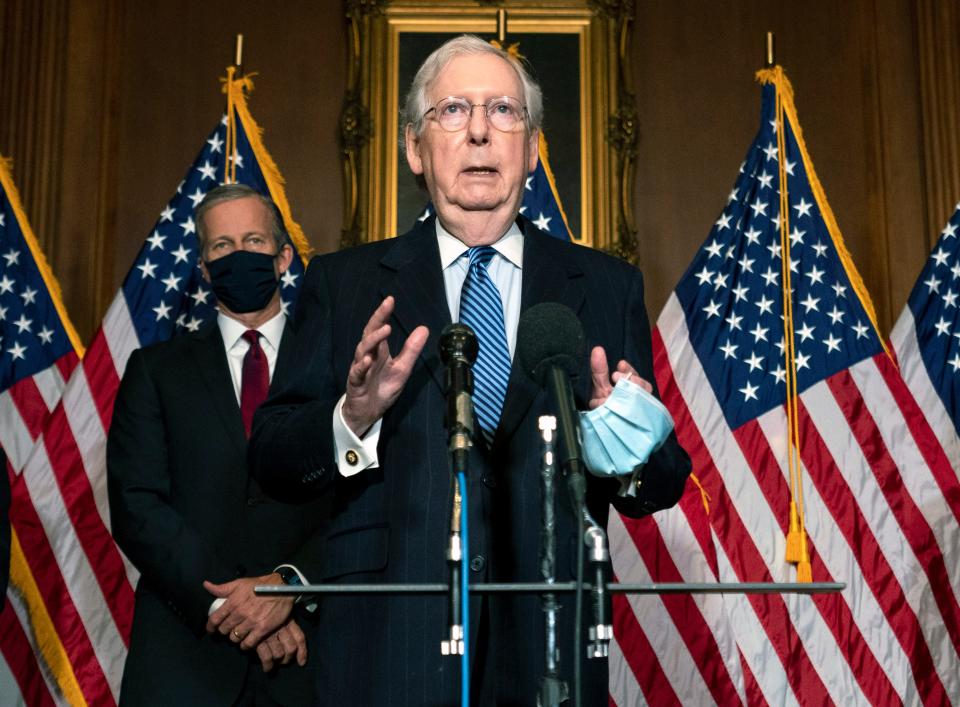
{"x": 926, "y": 339}
{"x": 881, "y": 514}
{"x": 87, "y": 584}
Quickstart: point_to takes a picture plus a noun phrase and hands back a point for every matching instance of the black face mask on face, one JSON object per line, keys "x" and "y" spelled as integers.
{"x": 243, "y": 281}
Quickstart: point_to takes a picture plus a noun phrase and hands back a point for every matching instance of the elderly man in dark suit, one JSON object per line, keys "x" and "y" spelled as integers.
{"x": 363, "y": 423}
{"x": 183, "y": 506}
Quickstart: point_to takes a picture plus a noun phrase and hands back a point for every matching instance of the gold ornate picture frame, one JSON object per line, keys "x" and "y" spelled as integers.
{"x": 575, "y": 48}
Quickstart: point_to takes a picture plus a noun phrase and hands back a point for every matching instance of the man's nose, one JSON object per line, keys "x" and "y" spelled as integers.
{"x": 479, "y": 127}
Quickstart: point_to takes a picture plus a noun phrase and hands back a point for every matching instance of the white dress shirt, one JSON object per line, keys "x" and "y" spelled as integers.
{"x": 231, "y": 331}
{"x": 236, "y": 346}
{"x": 505, "y": 269}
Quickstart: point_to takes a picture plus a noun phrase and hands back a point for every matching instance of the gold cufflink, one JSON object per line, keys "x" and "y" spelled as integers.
{"x": 352, "y": 457}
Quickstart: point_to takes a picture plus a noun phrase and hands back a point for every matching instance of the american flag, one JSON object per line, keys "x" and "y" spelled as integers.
{"x": 541, "y": 201}
{"x": 880, "y": 500}
{"x": 86, "y": 583}
{"x": 38, "y": 350}
{"x": 926, "y": 339}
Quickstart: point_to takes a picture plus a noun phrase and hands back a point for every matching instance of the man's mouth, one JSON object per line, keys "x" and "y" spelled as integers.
{"x": 480, "y": 170}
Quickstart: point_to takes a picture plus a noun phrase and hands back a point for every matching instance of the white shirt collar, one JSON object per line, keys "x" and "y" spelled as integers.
{"x": 231, "y": 330}
{"x": 510, "y": 246}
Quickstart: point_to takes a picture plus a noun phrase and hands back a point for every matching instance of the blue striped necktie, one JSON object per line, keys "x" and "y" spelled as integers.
{"x": 482, "y": 310}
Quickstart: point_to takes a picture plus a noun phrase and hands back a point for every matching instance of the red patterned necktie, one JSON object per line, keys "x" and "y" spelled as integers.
{"x": 254, "y": 379}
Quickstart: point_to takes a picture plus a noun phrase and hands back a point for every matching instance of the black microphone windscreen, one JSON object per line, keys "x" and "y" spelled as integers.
{"x": 549, "y": 334}
{"x": 458, "y": 342}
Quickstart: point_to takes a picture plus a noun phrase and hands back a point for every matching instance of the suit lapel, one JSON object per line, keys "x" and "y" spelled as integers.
{"x": 549, "y": 275}
{"x": 211, "y": 361}
{"x": 412, "y": 274}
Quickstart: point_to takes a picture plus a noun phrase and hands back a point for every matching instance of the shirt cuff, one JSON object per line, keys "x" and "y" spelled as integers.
{"x": 303, "y": 579}
{"x": 353, "y": 453}
{"x": 215, "y": 604}
{"x": 309, "y": 604}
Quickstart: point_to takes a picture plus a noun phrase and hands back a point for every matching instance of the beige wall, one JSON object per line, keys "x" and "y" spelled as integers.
{"x": 103, "y": 106}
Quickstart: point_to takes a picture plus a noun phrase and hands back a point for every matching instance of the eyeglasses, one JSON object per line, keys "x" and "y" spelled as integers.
{"x": 503, "y": 113}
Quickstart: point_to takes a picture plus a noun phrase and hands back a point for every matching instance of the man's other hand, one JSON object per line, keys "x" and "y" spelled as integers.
{"x": 603, "y": 382}
{"x": 244, "y": 617}
{"x": 376, "y": 378}
{"x": 282, "y": 646}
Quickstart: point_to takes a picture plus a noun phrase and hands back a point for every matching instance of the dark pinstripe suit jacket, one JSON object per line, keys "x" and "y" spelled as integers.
{"x": 389, "y": 524}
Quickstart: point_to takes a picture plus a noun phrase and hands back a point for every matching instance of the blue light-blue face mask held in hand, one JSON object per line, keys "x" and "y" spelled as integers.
{"x": 620, "y": 435}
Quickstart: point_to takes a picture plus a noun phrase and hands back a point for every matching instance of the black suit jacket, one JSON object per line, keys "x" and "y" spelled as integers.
{"x": 184, "y": 510}
{"x": 390, "y": 524}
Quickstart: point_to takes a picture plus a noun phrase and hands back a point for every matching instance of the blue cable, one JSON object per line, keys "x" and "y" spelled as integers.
{"x": 464, "y": 593}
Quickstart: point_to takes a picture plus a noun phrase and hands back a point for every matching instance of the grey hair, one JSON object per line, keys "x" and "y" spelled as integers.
{"x": 417, "y": 102}
{"x": 232, "y": 192}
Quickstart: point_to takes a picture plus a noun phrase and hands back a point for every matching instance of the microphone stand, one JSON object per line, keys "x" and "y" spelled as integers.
{"x": 553, "y": 691}
{"x": 458, "y": 351}
{"x": 601, "y": 632}
{"x": 453, "y": 644}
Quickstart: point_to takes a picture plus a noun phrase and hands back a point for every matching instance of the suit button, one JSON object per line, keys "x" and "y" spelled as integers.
{"x": 490, "y": 482}
{"x": 478, "y": 563}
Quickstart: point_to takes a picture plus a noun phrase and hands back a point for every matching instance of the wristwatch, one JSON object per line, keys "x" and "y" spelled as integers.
{"x": 290, "y": 578}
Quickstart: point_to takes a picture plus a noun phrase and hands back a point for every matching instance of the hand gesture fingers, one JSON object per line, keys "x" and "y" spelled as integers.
{"x": 376, "y": 379}
{"x": 603, "y": 381}
{"x": 600, "y": 377}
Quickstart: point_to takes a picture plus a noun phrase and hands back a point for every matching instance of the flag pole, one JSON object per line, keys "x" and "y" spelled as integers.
{"x": 502, "y": 27}
{"x": 238, "y": 56}
{"x": 771, "y": 59}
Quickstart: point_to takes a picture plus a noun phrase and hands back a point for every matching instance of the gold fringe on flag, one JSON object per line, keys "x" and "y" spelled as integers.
{"x": 545, "y": 161}
{"x": 41, "y": 626}
{"x": 796, "y": 549}
{"x": 237, "y": 90}
{"x": 53, "y": 287}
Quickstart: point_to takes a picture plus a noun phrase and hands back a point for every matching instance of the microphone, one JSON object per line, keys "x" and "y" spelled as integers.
{"x": 458, "y": 351}
{"x": 550, "y": 348}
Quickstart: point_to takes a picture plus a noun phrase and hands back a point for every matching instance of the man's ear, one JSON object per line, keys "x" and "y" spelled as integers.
{"x": 533, "y": 146}
{"x": 284, "y": 258}
{"x": 203, "y": 270}
{"x": 412, "y": 143}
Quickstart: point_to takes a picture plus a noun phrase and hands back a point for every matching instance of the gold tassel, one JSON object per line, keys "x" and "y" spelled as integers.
{"x": 795, "y": 542}
{"x": 704, "y": 496}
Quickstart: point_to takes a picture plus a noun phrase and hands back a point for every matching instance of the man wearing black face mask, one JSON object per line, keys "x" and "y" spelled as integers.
{"x": 184, "y": 509}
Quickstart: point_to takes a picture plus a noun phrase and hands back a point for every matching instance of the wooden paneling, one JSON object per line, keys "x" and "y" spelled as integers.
{"x": 57, "y": 101}
{"x": 33, "y": 53}
{"x": 938, "y": 30}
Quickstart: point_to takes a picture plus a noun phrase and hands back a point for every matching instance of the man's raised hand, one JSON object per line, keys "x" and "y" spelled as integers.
{"x": 376, "y": 378}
